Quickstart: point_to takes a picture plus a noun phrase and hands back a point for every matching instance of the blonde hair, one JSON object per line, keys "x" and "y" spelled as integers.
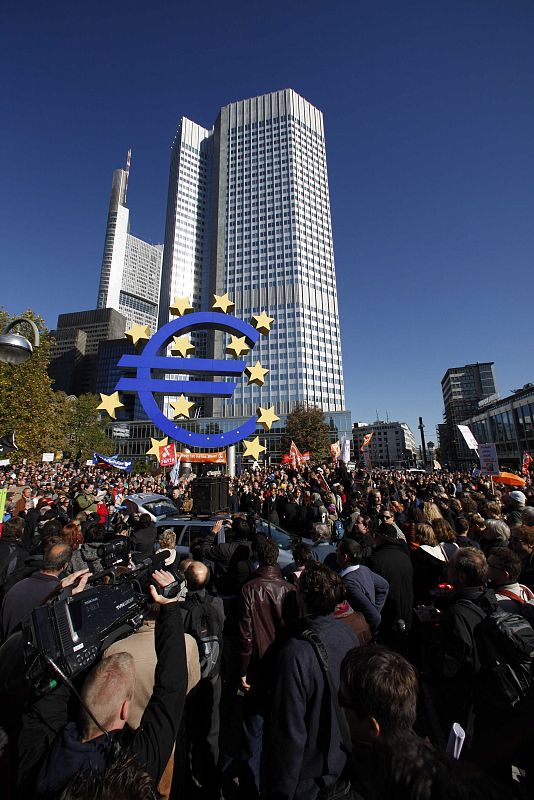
{"x": 431, "y": 510}
{"x": 424, "y": 534}
{"x": 105, "y": 689}
{"x": 167, "y": 539}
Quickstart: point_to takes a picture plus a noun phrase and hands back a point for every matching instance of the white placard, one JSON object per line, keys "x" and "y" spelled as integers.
{"x": 489, "y": 463}
{"x": 4, "y": 462}
{"x": 89, "y": 462}
{"x": 48, "y": 456}
{"x": 470, "y": 440}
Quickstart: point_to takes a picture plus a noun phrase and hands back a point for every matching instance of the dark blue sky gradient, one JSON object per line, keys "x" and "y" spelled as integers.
{"x": 429, "y": 115}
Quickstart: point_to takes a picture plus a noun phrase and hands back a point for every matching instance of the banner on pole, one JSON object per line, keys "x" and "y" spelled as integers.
{"x": 204, "y": 458}
{"x": 345, "y": 450}
{"x": 124, "y": 464}
{"x": 489, "y": 463}
{"x": 167, "y": 455}
{"x": 470, "y": 440}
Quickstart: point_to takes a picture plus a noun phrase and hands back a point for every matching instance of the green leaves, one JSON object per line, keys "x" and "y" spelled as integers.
{"x": 305, "y": 425}
{"x": 44, "y": 420}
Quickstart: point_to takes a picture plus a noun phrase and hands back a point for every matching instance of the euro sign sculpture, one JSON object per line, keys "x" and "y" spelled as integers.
{"x": 149, "y": 360}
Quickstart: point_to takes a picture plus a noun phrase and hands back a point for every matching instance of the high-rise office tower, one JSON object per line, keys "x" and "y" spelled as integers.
{"x": 248, "y": 213}
{"x": 131, "y": 268}
{"x": 463, "y": 388}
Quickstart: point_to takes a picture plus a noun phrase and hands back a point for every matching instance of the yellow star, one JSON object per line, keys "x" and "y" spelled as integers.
{"x": 267, "y": 417}
{"x": 263, "y": 323}
{"x": 180, "y": 306}
{"x": 138, "y": 333}
{"x": 237, "y": 346}
{"x": 181, "y": 346}
{"x": 253, "y": 448}
{"x": 156, "y": 444}
{"x": 110, "y": 402}
{"x": 181, "y": 407}
{"x": 256, "y": 374}
{"x": 221, "y": 302}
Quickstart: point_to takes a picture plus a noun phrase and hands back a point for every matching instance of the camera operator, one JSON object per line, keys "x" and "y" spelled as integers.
{"x": 107, "y": 694}
{"x": 30, "y": 592}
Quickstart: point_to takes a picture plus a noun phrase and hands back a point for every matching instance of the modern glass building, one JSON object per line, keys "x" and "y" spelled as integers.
{"x": 508, "y": 423}
{"x": 131, "y": 268}
{"x": 463, "y": 388}
{"x": 248, "y": 213}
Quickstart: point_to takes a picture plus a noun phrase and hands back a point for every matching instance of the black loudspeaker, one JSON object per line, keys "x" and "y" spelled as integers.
{"x": 8, "y": 443}
{"x": 210, "y": 494}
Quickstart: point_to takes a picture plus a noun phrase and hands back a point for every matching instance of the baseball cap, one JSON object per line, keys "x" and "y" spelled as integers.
{"x": 519, "y": 497}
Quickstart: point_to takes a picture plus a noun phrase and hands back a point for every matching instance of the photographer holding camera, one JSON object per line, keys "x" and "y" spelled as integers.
{"x": 53, "y": 748}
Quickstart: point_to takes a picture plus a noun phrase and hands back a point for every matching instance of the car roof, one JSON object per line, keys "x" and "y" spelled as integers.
{"x": 188, "y": 518}
{"x": 145, "y": 497}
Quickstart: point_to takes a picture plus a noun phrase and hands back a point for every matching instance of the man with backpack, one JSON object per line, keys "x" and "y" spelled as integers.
{"x": 486, "y": 667}
{"x": 203, "y": 618}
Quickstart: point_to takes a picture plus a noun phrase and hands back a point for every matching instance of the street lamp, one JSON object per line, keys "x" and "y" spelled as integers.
{"x": 15, "y": 348}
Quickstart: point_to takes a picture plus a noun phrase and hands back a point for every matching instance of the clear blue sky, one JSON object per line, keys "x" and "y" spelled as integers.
{"x": 429, "y": 115}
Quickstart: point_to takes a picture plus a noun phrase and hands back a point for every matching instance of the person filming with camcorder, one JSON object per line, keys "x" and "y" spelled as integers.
{"x": 74, "y": 722}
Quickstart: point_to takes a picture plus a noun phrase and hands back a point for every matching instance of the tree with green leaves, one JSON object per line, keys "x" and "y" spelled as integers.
{"x": 305, "y": 426}
{"x": 86, "y": 428}
{"x": 28, "y": 404}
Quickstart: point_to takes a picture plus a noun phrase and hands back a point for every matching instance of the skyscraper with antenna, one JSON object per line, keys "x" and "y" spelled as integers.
{"x": 131, "y": 268}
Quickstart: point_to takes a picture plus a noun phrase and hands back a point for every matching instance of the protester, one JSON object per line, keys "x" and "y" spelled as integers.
{"x": 359, "y": 521}
{"x": 267, "y": 605}
{"x": 305, "y": 750}
{"x": 365, "y": 590}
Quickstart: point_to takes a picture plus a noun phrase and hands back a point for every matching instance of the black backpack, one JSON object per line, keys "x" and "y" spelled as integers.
{"x": 205, "y": 623}
{"x": 505, "y": 647}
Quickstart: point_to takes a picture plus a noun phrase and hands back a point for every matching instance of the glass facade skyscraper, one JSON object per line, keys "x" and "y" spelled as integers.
{"x": 248, "y": 213}
{"x": 131, "y": 268}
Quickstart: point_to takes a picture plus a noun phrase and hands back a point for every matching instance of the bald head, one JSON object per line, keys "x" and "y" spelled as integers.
{"x": 56, "y": 558}
{"x": 196, "y": 575}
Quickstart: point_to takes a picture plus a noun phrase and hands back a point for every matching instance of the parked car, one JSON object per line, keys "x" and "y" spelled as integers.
{"x": 187, "y": 530}
{"x": 157, "y": 505}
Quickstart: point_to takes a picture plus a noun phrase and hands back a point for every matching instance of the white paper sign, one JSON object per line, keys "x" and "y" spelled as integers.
{"x": 470, "y": 440}
{"x": 4, "y": 462}
{"x": 489, "y": 463}
{"x": 48, "y": 456}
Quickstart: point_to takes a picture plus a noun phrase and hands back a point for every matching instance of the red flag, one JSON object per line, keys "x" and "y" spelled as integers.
{"x": 366, "y": 439}
{"x": 335, "y": 451}
{"x": 527, "y": 461}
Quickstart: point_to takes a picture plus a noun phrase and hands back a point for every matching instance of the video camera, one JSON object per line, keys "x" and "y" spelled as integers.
{"x": 72, "y": 631}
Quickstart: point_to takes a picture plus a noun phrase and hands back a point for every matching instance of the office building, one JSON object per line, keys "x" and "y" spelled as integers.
{"x": 248, "y": 213}
{"x": 463, "y": 388}
{"x": 74, "y": 356}
{"x": 131, "y": 268}
{"x": 392, "y": 443}
{"x": 508, "y": 423}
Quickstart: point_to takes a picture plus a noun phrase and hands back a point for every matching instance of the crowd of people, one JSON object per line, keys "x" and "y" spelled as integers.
{"x": 401, "y": 628}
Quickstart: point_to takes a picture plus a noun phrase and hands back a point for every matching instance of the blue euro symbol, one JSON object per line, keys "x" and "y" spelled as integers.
{"x": 145, "y": 385}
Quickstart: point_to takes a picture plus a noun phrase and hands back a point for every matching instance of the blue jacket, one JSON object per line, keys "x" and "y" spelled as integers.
{"x": 305, "y": 749}
{"x": 366, "y": 592}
